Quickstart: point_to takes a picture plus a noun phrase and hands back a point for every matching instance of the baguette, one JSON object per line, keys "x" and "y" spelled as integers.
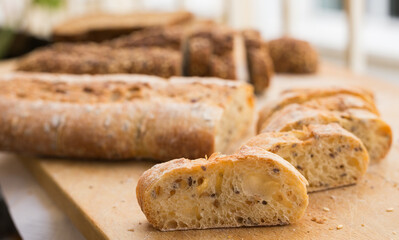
{"x": 375, "y": 134}
{"x": 293, "y": 56}
{"x": 93, "y": 58}
{"x": 250, "y": 188}
{"x": 331, "y": 98}
{"x": 100, "y": 27}
{"x": 328, "y": 156}
{"x": 121, "y": 116}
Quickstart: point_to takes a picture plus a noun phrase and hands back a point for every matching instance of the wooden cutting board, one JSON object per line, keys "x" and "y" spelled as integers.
{"x": 100, "y": 197}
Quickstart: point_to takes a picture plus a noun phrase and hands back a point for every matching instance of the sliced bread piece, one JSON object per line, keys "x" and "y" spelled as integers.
{"x": 121, "y": 116}
{"x": 328, "y": 156}
{"x": 250, "y": 188}
{"x": 259, "y": 63}
{"x": 375, "y": 134}
{"x": 329, "y": 98}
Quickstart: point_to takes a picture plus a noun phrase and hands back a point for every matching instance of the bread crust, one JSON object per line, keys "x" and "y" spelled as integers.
{"x": 178, "y": 166}
{"x": 100, "y": 27}
{"x": 332, "y": 140}
{"x": 346, "y": 98}
{"x": 109, "y": 121}
{"x": 362, "y": 123}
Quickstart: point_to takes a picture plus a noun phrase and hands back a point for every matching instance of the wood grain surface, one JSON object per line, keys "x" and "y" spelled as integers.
{"x": 100, "y": 197}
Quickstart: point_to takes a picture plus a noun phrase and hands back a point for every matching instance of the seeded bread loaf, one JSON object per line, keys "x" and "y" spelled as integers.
{"x": 100, "y": 27}
{"x": 293, "y": 56}
{"x": 328, "y": 156}
{"x": 375, "y": 134}
{"x": 250, "y": 188}
{"x": 121, "y": 116}
{"x": 91, "y": 58}
{"x": 259, "y": 63}
{"x": 331, "y": 98}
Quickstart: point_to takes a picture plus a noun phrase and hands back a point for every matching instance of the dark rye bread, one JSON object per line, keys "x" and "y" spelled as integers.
{"x": 260, "y": 65}
{"x": 293, "y": 56}
{"x": 121, "y": 116}
{"x": 92, "y": 58}
{"x": 100, "y": 27}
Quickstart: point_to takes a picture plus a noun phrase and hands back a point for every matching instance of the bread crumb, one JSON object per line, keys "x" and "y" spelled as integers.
{"x": 318, "y": 220}
{"x": 139, "y": 223}
{"x": 389, "y": 210}
{"x": 362, "y": 224}
{"x": 331, "y": 228}
{"x": 394, "y": 233}
{"x": 131, "y": 230}
{"x": 326, "y": 209}
{"x": 340, "y": 227}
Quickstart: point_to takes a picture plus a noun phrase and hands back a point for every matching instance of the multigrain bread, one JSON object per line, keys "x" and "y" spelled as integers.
{"x": 250, "y": 188}
{"x": 92, "y": 58}
{"x": 217, "y": 51}
{"x": 293, "y": 56}
{"x": 100, "y": 27}
{"x": 121, "y": 116}
{"x": 375, "y": 134}
{"x": 327, "y": 98}
{"x": 328, "y": 156}
{"x": 259, "y": 63}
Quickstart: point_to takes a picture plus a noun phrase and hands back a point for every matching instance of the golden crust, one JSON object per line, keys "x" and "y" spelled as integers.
{"x": 179, "y": 166}
{"x": 337, "y": 98}
{"x": 100, "y": 117}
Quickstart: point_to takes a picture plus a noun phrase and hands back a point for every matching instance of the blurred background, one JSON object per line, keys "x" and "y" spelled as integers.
{"x": 360, "y": 34}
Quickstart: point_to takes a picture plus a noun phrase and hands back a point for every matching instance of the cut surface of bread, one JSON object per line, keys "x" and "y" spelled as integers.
{"x": 100, "y": 27}
{"x": 250, "y": 188}
{"x": 329, "y": 98}
{"x": 259, "y": 63}
{"x": 328, "y": 156}
{"x": 91, "y": 58}
{"x": 121, "y": 116}
{"x": 375, "y": 134}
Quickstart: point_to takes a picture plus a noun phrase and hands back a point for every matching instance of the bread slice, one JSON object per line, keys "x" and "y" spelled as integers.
{"x": 121, "y": 116}
{"x": 250, "y": 188}
{"x": 293, "y": 56}
{"x": 100, "y": 27}
{"x": 259, "y": 63}
{"x": 375, "y": 134}
{"x": 94, "y": 58}
{"x": 328, "y": 98}
{"x": 328, "y": 156}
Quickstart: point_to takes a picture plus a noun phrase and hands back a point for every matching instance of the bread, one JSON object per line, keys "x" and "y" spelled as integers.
{"x": 328, "y": 98}
{"x": 100, "y": 27}
{"x": 215, "y": 51}
{"x": 259, "y": 63}
{"x": 328, "y": 156}
{"x": 293, "y": 56}
{"x": 165, "y": 37}
{"x": 375, "y": 134}
{"x": 121, "y": 116}
{"x": 250, "y": 188}
{"x": 91, "y": 58}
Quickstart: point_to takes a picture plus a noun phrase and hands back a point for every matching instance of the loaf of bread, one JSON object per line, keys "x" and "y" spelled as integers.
{"x": 121, "y": 116}
{"x": 375, "y": 134}
{"x": 293, "y": 56}
{"x": 327, "y": 98}
{"x": 91, "y": 58}
{"x": 260, "y": 65}
{"x": 100, "y": 27}
{"x": 250, "y": 188}
{"x": 328, "y": 156}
